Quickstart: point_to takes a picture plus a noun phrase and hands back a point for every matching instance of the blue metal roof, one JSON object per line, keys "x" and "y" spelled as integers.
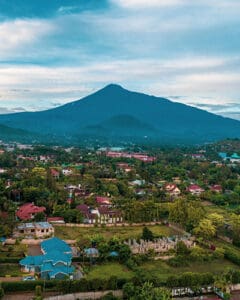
{"x": 32, "y": 260}
{"x": 91, "y": 251}
{"x": 114, "y": 254}
{"x": 55, "y": 244}
{"x": 63, "y": 270}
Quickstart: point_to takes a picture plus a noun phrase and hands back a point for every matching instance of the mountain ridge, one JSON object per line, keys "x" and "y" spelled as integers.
{"x": 141, "y": 115}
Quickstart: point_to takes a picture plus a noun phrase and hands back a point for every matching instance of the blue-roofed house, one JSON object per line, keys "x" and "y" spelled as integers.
{"x": 223, "y": 155}
{"x": 55, "y": 263}
{"x": 235, "y": 158}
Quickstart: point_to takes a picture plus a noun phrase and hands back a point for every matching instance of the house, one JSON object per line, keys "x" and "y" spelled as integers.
{"x": 137, "y": 182}
{"x": 222, "y": 155}
{"x": 195, "y": 189}
{"x": 55, "y": 174}
{"x": 197, "y": 156}
{"x": 235, "y": 158}
{"x": 216, "y": 188}
{"x": 172, "y": 190}
{"x": 107, "y": 215}
{"x": 103, "y": 201}
{"x": 28, "y": 211}
{"x": 85, "y": 211}
{"x": 67, "y": 172}
{"x": 34, "y": 230}
{"x": 125, "y": 167}
{"x": 103, "y": 214}
{"x": 54, "y": 263}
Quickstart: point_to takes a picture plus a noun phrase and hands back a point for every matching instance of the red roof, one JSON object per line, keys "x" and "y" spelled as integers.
{"x": 54, "y": 172}
{"x": 26, "y": 211}
{"x": 55, "y": 219}
{"x": 170, "y": 187}
{"x": 216, "y": 188}
{"x": 194, "y": 187}
{"x": 103, "y": 200}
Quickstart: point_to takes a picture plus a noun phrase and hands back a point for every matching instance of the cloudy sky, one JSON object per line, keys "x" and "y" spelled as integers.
{"x": 56, "y": 51}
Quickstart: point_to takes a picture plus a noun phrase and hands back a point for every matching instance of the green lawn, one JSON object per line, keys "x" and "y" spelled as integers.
{"x": 107, "y": 270}
{"x": 217, "y": 209}
{"x": 162, "y": 270}
{"x": 10, "y": 269}
{"x": 123, "y": 233}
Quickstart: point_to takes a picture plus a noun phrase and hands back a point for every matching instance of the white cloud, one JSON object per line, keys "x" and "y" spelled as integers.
{"x": 35, "y": 84}
{"x": 139, "y": 4}
{"x": 17, "y": 35}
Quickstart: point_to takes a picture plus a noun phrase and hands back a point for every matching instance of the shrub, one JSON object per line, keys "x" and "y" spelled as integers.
{"x": 178, "y": 261}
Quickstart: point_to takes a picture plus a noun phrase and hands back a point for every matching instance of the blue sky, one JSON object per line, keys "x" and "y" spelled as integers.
{"x": 54, "y": 51}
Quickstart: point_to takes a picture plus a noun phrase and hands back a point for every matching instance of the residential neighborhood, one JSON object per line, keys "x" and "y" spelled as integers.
{"x": 74, "y": 213}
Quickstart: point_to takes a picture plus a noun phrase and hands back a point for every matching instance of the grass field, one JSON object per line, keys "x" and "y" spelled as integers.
{"x": 217, "y": 209}
{"x": 107, "y": 270}
{"x": 108, "y": 232}
{"x": 162, "y": 270}
{"x": 10, "y": 269}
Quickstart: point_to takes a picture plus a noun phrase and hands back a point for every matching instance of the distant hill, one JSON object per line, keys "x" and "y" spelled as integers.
{"x": 8, "y": 133}
{"x": 114, "y": 113}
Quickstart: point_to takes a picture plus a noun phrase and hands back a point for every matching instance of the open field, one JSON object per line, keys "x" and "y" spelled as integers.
{"x": 162, "y": 270}
{"x": 107, "y": 270}
{"x": 217, "y": 209}
{"x": 123, "y": 233}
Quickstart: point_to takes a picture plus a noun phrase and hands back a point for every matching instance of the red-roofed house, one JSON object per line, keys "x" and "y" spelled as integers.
{"x": 195, "y": 189}
{"x": 28, "y": 210}
{"x": 216, "y": 188}
{"x": 103, "y": 201}
{"x": 172, "y": 190}
{"x": 55, "y": 174}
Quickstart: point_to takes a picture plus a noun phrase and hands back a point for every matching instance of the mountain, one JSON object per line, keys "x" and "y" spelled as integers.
{"x": 116, "y": 114}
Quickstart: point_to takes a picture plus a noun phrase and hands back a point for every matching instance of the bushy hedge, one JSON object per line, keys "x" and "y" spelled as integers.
{"x": 232, "y": 255}
{"x": 24, "y": 286}
{"x": 190, "y": 279}
{"x": 66, "y": 286}
{"x": 13, "y": 260}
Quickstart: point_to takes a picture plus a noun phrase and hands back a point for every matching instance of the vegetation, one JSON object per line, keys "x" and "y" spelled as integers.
{"x": 210, "y": 218}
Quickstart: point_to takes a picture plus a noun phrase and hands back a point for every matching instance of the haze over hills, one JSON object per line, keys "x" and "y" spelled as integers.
{"x": 116, "y": 114}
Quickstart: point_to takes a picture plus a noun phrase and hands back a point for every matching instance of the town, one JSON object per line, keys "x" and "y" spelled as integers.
{"x": 115, "y": 218}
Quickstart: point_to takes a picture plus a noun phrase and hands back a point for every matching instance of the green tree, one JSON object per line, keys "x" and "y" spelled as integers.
{"x": 147, "y": 234}
{"x": 205, "y": 229}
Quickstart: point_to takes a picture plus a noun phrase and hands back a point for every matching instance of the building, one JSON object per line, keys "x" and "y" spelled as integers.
{"x": 34, "y": 230}
{"x": 103, "y": 201}
{"x": 28, "y": 211}
{"x": 54, "y": 263}
{"x": 172, "y": 190}
{"x": 216, "y": 188}
{"x": 195, "y": 189}
{"x": 55, "y": 174}
{"x": 67, "y": 172}
{"x": 101, "y": 215}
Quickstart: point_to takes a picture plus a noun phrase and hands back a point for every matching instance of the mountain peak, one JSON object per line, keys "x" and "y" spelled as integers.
{"x": 113, "y": 86}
